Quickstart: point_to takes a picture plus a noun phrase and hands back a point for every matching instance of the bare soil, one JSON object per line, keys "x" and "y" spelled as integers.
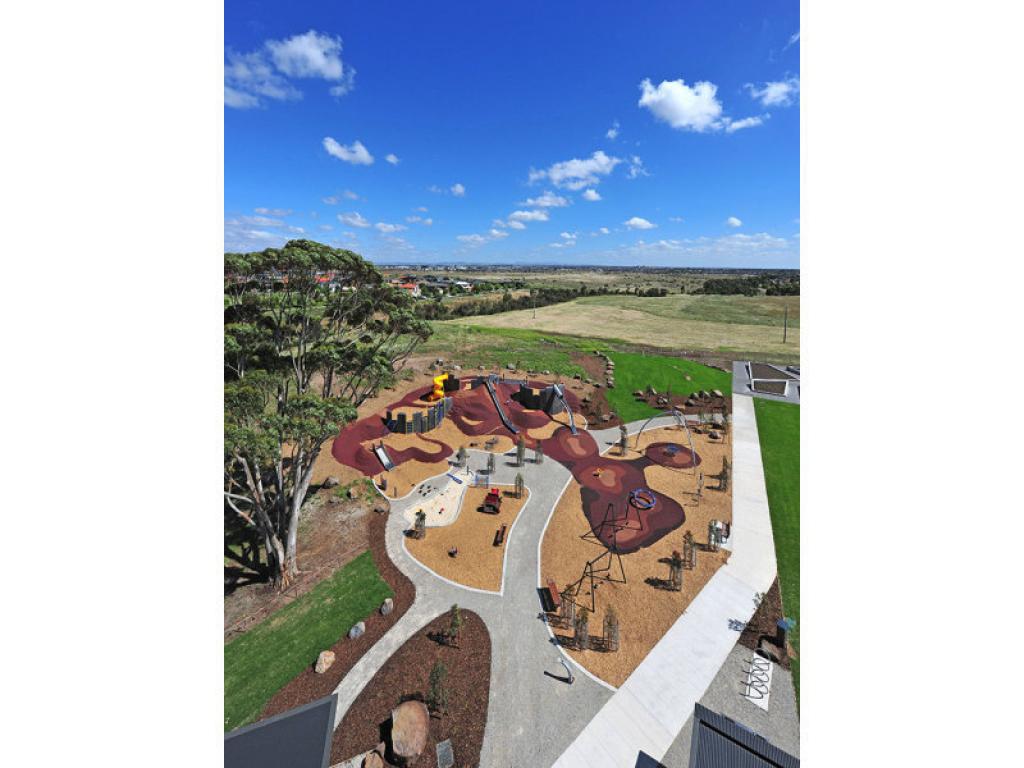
{"x": 406, "y": 676}
{"x": 763, "y": 623}
{"x": 308, "y": 685}
{"x": 333, "y": 530}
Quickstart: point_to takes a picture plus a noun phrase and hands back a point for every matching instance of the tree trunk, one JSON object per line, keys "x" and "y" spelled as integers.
{"x": 298, "y": 496}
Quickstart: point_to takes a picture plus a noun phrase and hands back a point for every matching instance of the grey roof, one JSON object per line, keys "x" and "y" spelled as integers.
{"x": 298, "y": 738}
{"x": 719, "y": 742}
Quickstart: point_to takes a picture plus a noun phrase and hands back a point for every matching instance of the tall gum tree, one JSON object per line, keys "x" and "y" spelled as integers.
{"x": 310, "y": 332}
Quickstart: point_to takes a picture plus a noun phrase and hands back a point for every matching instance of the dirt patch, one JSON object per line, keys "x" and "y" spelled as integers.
{"x": 332, "y": 531}
{"x": 406, "y": 676}
{"x": 308, "y": 685}
{"x": 763, "y": 624}
{"x": 645, "y": 609}
{"x": 478, "y": 563}
{"x": 594, "y": 400}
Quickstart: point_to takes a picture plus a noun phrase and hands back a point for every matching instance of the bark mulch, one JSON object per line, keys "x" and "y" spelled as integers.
{"x": 598, "y": 405}
{"x": 308, "y": 685}
{"x": 406, "y": 676}
{"x": 763, "y": 622}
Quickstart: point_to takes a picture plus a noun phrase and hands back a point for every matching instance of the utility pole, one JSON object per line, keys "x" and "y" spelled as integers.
{"x": 785, "y": 323}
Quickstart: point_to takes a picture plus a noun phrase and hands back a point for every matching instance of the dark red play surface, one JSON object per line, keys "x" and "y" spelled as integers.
{"x": 473, "y": 414}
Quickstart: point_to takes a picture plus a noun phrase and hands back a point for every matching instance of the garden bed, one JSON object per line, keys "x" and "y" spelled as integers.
{"x": 406, "y": 675}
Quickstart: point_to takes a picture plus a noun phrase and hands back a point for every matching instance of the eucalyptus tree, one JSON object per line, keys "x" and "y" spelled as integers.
{"x": 310, "y": 332}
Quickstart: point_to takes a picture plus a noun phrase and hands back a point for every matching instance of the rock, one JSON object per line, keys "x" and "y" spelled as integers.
{"x": 690, "y": 402}
{"x": 380, "y": 509}
{"x": 323, "y": 662}
{"x": 546, "y": 372}
{"x": 439, "y": 361}
{"x": 387, "y": 607}
{"x": 652, "y": 390}
{"x": 717, "y": 393}
{"x": 410, "y": 726}
{"x": 373, "y": 760}
{"x": 456, "y": 367}
{"x": 357, "y": 630}
{"x": 688, "y": 377}
{"x": 353, "y": 492}
{"x": 332, "y": 482}
{"x": 638, "y": 393}
{"x": 605, "y": 417}
{"x": 511, "y": 366}
{"x": 578, "y": 376}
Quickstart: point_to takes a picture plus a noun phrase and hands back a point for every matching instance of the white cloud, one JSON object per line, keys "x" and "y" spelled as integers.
{"x": 497, "y": 234}
{"x": 383, "y": 226}
{"x": 639, "y": 223}
{"x": 419, "y": 220}
{"x": 296, "y": 230}
{"x": 613, "y": 132}
{"x": 515, "y": 224}
{"x": 353, "y": 219}
{"x": 422, "y": 209}
{"x": 458, "y": 190}
{"x": 522, "y": 216}
{"x": 355, "y": 153}
{"x": 793, "y": 40}
{"x": 683, "y": 107}
{"x": 731, "y": 126}
{"x": 591, "y": 195}
{"x": 348, "y": 194}
{"x": 473, "y": 240}
{"x": 568, "y": 235}
{"x": 676, "y": 219}
{"x": 777, "y": 93}
{"x": 604, "y": 231}
{"x": 273, "y": 211}
{"x": 548, "y": 200}
{"x": 732, "y": 221}
{"x": 576, "y": 174}
{"x": 392, "y": 158}
{"x": 636, "y": 168}
{"x": 249, "y": 78}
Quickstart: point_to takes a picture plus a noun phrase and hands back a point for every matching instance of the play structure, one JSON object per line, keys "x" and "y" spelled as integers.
{"x": 492, "y": 502}
{"x": 438, "y": 391}
{"x": 642, "y": 498}
{"x": 550, "y": 399}
{"x": 489, "y": 382}
{"x": 409, "y": 420}
{"x": 383, "y": 457}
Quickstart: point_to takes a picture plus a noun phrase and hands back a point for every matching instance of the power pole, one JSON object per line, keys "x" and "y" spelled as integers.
{"x": 785, "y": 323}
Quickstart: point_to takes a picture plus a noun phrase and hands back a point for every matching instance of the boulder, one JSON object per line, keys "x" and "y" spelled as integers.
{"x": 387, "y": 607}
{"x": 373, "y": 760}
{"x": 717, "y": 393}
{"x": 546, "y": 372}
{"x": 511, "y": 366}
{"x": 332, "y": 482}
{"x": 410, "y": 726}
{"x": 357, "y": 630}
{"x": 353, "y": 492}
{"x": 638, "y": 393}
{"x": 323, "y": 662}
{"x": 688, "y": 377}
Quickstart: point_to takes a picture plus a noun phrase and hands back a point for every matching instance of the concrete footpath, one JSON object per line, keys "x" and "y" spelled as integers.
{"x": 654, "y": 704}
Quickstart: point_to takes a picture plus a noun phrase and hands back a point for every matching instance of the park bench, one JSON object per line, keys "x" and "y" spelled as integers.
{"x": 556, "y": 598}
{"x": 499, "y": 536}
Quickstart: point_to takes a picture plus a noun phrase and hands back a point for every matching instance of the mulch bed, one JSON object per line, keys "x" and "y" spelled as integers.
{"x": 712, "y": 405}
{"x": 598, "y": 405}
{"x": 406, "y": 676}
{"x": 763, "y": 622}
{"x": 309, "y": 686}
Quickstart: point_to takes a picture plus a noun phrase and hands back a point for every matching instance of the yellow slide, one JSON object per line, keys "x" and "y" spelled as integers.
{"x": 438, "y": 392}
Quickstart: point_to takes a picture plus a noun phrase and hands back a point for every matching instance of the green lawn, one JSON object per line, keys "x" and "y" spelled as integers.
{"x": 778, "y": 427}
{"x": 633, "y": 372}
{"x": 471, "y": 346}
{"x": 270, "y": 654}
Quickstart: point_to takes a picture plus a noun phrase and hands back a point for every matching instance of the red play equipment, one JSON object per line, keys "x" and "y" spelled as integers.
{"x": 492, "y": 503}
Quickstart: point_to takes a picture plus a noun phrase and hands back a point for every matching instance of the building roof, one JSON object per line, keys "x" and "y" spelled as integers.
{"x": 298, "y": 738}
{"x": 719, "y": 742}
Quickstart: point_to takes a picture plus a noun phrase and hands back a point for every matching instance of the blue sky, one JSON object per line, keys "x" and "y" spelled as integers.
{"x": 655, "y": 133}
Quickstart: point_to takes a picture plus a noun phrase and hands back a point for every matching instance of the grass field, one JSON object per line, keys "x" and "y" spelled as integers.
{"x": 633, "y": 372}
{"x": 270, "y": 654}
{"x": 737, "y": 327}
{"x": 778, "y": 426}
{"x": 471, "y": 346}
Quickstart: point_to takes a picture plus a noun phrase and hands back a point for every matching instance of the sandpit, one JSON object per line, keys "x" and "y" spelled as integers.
{"x": 645, "y": 610}
{"x": 479, "y": 563}
{"x": 442, "y": 507}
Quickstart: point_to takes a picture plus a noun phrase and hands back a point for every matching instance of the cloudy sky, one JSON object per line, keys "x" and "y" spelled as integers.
{"x": 573, "y": 133}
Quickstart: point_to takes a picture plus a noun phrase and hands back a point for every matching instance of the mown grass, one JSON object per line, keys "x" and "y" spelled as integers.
{"x": 261, "y": 661}
{"x": 778, "y": 427}
{"x": 635, "y": 371}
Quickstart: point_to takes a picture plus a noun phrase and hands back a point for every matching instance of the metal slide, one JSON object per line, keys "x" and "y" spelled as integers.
{"x": 382, "y": 456}
{"x": 561, "y": 398}
{"x": 489, "y": 382}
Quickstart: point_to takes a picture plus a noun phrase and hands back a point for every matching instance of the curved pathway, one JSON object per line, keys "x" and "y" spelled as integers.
{"x": 533, "y": 717}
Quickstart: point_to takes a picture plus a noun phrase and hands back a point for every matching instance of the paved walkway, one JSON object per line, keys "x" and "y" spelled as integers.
{"x": 533, "y": 718}
{"x": 652, "y": 706}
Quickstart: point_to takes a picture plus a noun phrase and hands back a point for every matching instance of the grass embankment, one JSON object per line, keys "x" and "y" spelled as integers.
{"x": 270, "y": 654}
{"x": 633, "y": 372}
{"x": 778, "y": 427}
{"x": 473, "y": 346}
{"x": 736, "y": 327}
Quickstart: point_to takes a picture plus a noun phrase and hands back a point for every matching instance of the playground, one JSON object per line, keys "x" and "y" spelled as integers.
{"x": 628, "y": 514}
{"x": 470, "y": 550}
